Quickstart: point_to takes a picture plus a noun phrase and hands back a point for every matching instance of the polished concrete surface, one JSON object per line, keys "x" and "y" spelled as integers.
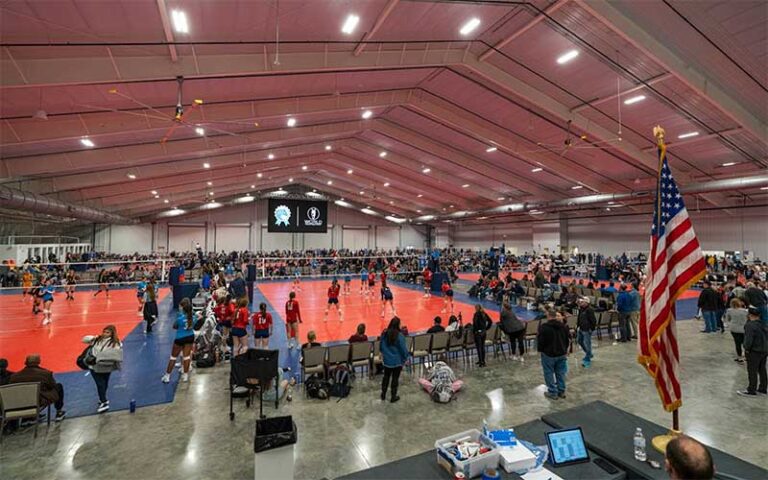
{"x": 193, "y": 438}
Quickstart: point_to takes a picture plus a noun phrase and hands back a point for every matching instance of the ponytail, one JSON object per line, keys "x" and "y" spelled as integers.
{"x": 186, "y": 307}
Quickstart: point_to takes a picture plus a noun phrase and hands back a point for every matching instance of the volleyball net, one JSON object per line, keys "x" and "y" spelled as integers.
{"x": 114, "y": 273}
{"x": 397, "y": 267}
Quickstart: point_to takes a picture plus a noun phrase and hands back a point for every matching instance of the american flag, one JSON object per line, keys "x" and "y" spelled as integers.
{"x": 675, "y": 263}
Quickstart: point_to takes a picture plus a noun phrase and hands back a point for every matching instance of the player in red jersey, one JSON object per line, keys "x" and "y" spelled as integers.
{"x": 333, "y": 300}
{"x": 292, "y": 320}
{"x": 262, "y": 327}
{"x": 225, "y": 313}
{"x": 447, "y": 297}
{"x": 383, "y": 276}
{"x": 239, "y": 326}
{"x": 427, "y": 276}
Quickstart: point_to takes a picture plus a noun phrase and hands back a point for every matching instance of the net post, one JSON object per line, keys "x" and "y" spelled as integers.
{"x": 162, "y": 275}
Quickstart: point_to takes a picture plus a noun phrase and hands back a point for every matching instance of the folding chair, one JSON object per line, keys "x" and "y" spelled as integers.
{"x": 439, "y": 344}
{"x": 18, "y": 401}
{"x": 376, "y": 356}
{"x": 313, "y": 361}
{"x": 455, "y": 343}
{"x": 338, "y": 354}
{"x": 360, "y": 355}
{"x": 421, "y": 344}
{"x": 531, "y": 331}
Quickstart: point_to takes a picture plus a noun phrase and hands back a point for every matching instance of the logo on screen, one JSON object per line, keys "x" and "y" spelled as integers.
{"x": 313, "y": 217}
{"x": 282, "y": 215}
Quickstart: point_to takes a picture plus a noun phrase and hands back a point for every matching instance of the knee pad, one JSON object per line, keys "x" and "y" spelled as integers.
{"x": 187, "y": 359}
{"x": 173, "y": 359}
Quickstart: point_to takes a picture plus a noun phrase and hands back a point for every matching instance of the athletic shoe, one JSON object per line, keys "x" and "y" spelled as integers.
{"x": 521, "y": 358}
{"x": 551, "y": 396}
{"x": 394, "y": 399}
{"x": 514, "y": 357}
{"x": 184, "y": 377}
{"x": 561, "y": 396}
{"x": 383, "y": 396}
{"x": 745, "y": 393}
{"x": 762, "y": 393}
{"x": 103, "y": 407}
{"x": 166, "y": 378}
{"x": 60, "y": 415}
{"x": 46, "y": 322}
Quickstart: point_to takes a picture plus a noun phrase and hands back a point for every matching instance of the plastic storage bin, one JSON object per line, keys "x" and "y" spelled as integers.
{"x": 472, "y": 467}
{"x": 273, "y": 447}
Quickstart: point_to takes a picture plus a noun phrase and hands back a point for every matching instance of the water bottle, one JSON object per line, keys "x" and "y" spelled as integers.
{"x": 133, "y": 408}
{"x": 639, "y": 442}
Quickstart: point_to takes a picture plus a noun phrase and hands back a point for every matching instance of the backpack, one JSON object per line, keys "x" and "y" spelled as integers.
{"x": 205, "y": 359}
{"x": 441, "y": 393}
{"x": 317, "y": 387}
{"x": 86, "y": 359}
{"x": 340, "y": 382}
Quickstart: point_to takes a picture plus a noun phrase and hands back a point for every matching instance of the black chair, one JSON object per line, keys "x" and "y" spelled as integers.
{"x": 253, "y": 369}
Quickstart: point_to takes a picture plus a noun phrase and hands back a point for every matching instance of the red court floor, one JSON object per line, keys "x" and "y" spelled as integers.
{"x": 59, "y": 343}
{"x": 415, "y": 311}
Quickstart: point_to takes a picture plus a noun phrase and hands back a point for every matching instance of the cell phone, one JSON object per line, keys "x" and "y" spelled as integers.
{"x": 606, "y": 465}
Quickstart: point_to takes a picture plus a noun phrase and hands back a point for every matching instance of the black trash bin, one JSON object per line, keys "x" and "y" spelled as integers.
{"x": 274, "y": 432}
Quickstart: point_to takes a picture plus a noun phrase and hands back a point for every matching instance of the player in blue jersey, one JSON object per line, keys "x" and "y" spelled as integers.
{"x": 364, "y": 281}
{"x": 347, "y": 281}
{"x": 46, "y": 292}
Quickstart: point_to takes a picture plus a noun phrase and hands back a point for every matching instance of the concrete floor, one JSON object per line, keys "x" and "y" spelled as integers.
{"x": 193, "y": 438}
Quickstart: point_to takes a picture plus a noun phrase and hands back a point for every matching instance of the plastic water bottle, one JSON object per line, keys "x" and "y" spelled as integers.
{"x": 132, "y": 406}
{"x": 639, "y": 442}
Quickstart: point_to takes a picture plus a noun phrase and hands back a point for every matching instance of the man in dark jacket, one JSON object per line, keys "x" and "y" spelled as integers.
{"x": 709, "y": 304}
{"x": 50, "y": 391}
{"x": 552, "y": 341}
{"x": 237, "y": 287}
{"x": 756, "y": 298}
{"x": 436, "y": 326}
{"x": 586, "y": 323}
{"x": 756, "y": 352}
{"x": 624, "y": 304}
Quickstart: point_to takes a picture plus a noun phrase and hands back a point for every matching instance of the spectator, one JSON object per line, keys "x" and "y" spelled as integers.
{"x": 436, "y": 326}
{"x": 708, "y": 303}
{"x": 5, "y": 374}
{"x": 453, "y": 324}
{"x": 481, "y": 322}
{"x": 624, "y": 307}
{"x": 585, "y": 323}
{"x": 634, "y": 313}
{"x": 311, "y": 340}
{"x": 51, "y": 392}
{"x": 736, "y": 317}
{"x": 149, "y": 310}
{"x": 687, "y": 459}
{"x": 756, "y": 348}
{"x": 360, "y": 335}
{"x": 108, "y": 351}
{"x": 514, "y": 329}
{"x": 757, "y": 298}
{"x": 552, "y": 341}
{"x": 393, "y": 356}
{"x": 237, "y": 286}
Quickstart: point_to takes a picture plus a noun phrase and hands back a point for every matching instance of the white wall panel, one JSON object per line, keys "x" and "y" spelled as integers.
{"x": 319, "y": 240}
{"x": 354, "y": 238}
{"x": 275, "y": 241}
{"x": 387, "y": 237}
{"x": 182, "y": 238}
{"x": 127, "y": 239}
{"x": 232, "y": 237}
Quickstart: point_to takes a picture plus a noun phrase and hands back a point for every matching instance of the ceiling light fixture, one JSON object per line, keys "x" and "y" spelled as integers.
{"x": 200, "y": 131}
{"x": 635, "y": 99}
{"x": 466, "y": 185}
{"x": 567, "y": 56}
{"x": 386, "y": 184}
{"x": 304, "y": 167}
{"x": 280, "y": 191}
{"x": 179, "y": 21}
{"x": 368, "y": 211}
{"x": 729, "y": 164}
{"x": 350, "y": 23}
{"x": 329, "y": 182}
{"x": 763, "y": 188}
{"x": 367, "y": 114}
{"x": 291, "y": 122}
{"x": 426, "y": 170}
{"x": 253, "y": 186}
{"x": 470, "y": 26}
{"x": 383, "y": 154}
{"x": 501, "y": 199}
{"x": 350, "y": 171}
{"x": 87, "y": 142}
{"x": 259, "y": 175}
{"x": 419, "y": 195}
{"x": 290, "y": 180}
{"x": 537, "y": 170}
{"x": 361, "y": 192}
{"x": 206, "y": 165}
{"x": 209, "y": 184}
{"x": 687, "y": 135}
{"x": 271, "y": 156}
{"x": 577, "y": 187}
{"x": 165, "y": 201}
{"x": 210, "y": 193}
{"x": 328, "y": 148}
{"x": 131, "y": 176}
{"x": 157, "y": 196}
{"x": 491, "y": 149}
{"x": 153, "y": 192}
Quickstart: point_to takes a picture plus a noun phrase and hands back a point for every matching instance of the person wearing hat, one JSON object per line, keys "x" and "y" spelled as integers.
{"x": 756, "y": 352}
{"x": 586, "y": 323}
{"x": 50, "y": 391}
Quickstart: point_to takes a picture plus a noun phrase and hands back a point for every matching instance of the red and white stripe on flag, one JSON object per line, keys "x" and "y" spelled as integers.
{"x": 674, "y": 264}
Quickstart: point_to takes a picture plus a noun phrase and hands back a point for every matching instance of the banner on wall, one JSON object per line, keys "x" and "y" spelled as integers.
{"x": 297, "y": 216}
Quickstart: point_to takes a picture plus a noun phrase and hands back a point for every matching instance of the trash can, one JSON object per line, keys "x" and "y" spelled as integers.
{"x": 273, "y": 448}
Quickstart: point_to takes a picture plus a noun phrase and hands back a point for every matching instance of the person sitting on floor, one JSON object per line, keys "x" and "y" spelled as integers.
{"x": 360, "y": 336}
{"x": 436, "y": 327}
{"x": 441, "y": 383}
{"x": 311, "y": 340}
{"x": 283, "y": 386}
{"x": 50, "y": 391}
{"x": 687, "y": 459}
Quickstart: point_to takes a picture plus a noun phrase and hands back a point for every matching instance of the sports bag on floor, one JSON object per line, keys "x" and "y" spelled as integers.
{"x": 340, "y": 382}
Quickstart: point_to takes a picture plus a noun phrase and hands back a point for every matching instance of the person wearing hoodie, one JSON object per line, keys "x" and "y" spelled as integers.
{"x": 552, "y": 342}
{"x": 756, "y": 349}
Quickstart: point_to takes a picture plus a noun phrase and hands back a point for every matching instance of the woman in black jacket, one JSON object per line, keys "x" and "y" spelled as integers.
{"x": 514, "y": 328}
{"x": 481, "y": 322}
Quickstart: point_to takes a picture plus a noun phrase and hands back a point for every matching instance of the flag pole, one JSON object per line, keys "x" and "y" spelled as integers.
{"x": 660, "y": 442}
